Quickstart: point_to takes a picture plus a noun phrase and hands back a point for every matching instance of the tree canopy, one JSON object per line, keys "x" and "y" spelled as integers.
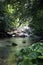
{"x": 16, "y": 12}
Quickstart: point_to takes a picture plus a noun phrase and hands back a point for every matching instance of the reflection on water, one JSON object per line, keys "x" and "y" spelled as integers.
{"x": 7, "y": 50}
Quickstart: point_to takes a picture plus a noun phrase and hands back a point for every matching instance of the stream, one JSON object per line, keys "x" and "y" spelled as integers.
{"x": 7, "y": 51}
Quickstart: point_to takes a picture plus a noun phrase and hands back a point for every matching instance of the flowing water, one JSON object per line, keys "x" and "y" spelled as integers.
{"x": 7, "y": 51}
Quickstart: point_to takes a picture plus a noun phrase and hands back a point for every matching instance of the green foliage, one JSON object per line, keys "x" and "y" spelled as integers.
{"x": 37, "y": 13}
{"x": 11, "y": 10}
{"x": 33, "y": 55}
{"x": 13, "y": 13}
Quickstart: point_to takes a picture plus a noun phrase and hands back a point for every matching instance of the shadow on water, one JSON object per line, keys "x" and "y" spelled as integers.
{"x": 4, "y": 52}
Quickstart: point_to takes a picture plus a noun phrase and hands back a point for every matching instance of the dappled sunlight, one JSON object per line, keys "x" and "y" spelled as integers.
{"x": 10, "y": 9}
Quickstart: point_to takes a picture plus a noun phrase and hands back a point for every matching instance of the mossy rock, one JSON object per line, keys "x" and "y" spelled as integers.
{"x": 14, "y": 44}
{"x": 24, "y": 41}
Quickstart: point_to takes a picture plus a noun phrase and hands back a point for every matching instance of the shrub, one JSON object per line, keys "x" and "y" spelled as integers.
{"x": 33, "y": 55}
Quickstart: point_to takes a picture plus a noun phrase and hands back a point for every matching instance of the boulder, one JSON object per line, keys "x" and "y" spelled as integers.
{"x": 14, "y": 44}
{"x": 24, "y": 41}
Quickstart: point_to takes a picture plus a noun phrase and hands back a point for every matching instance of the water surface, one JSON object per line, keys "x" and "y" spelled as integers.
{"x": 7, "y": 51}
